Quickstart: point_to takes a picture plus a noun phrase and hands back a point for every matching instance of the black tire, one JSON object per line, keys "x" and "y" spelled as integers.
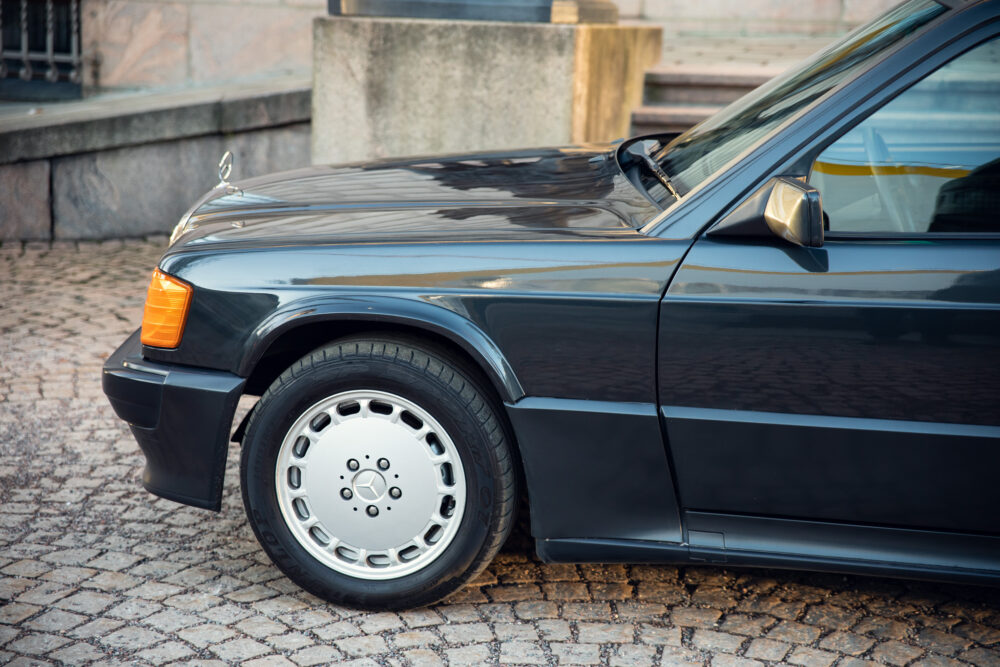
{"x": 447, "y": 390}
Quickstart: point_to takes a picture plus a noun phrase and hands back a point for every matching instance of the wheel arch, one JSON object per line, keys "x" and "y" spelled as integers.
{"x": 293, "y": 332}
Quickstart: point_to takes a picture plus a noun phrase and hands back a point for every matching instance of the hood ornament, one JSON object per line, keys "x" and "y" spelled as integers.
{"x": 225, "y": 170}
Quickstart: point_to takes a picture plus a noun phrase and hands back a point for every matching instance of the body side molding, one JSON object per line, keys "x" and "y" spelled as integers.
{"x": 830, "y": 421}
{"x": 878, "y": 546}
{"x": 809, "y": 545}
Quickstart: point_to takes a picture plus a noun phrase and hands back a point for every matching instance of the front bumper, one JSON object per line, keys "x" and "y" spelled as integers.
{"x": 180, "y": 416}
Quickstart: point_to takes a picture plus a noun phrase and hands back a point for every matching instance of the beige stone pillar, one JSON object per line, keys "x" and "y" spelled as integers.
{"x": 386, "y": 87}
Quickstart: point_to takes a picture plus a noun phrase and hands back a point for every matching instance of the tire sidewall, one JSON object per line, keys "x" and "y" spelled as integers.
{"x": 270, "y": 424}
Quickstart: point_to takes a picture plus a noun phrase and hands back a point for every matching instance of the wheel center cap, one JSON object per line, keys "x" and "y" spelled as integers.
{"x": 369, "y": 485}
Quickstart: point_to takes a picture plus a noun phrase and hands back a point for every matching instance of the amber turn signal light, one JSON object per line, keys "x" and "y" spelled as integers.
{"x": 167, "y": 302}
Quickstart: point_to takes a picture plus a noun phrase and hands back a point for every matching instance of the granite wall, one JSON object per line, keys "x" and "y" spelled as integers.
{"x": 163, "y": 43}
{"x": 133, "y": 191}
{"x": 387, "y": 87}
{"x": 91, "y": 171}
{"x": 159, "y": 43}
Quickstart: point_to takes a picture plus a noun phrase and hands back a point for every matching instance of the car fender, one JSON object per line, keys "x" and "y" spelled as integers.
{"x": 396, "y": 310}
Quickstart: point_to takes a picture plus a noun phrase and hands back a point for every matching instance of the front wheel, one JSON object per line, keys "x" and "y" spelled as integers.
{"x": 376, "y": 473}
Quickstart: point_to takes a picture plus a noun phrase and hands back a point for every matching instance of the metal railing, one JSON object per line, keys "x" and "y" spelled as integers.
{"x": 40, "y": 40}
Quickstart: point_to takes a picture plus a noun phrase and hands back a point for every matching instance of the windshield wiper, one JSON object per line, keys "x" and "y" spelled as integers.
{"x": 661, "y": 175}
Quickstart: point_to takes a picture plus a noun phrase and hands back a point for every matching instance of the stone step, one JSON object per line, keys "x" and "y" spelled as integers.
{"x": 704, "y": 83}
{"x": 649, "y": 119}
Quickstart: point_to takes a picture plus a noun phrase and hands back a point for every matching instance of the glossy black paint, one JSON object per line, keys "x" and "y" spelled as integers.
{"x": 674, "y": 396}
{"x": 178, "y": 416}
{"x": 547, "y": 305}
{"x": 883, "y": 328}
{"x": 541, "y": 191}
{"x": 418, "y": 242}
{"x": 596, "y": 468}
{"x": 729, "y": 539}
{"x": 500, "y": 295}
{"x": 867, "y": 471}
{"x": 839, "y": 353}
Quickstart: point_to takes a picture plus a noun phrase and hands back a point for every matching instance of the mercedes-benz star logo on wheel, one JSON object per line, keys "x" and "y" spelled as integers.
{"x": 369, "y": 485}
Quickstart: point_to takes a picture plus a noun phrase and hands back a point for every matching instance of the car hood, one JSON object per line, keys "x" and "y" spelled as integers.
{"x": 572, "y": 190}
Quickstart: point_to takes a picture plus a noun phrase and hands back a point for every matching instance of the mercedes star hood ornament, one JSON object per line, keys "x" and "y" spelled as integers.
{"x": 225, "y": 170}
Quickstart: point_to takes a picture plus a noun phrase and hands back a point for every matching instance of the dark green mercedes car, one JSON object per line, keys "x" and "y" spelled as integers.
{"x": 772, "y": 340}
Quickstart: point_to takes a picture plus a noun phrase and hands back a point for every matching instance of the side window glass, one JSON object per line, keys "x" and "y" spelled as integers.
{"x": 928, "y": 161}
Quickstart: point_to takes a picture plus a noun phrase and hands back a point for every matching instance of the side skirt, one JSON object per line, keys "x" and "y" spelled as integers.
{"x": 727, "y": 539}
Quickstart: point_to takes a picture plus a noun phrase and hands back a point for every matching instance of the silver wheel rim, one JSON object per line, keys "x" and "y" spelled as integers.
{"x": 370, "y": 484}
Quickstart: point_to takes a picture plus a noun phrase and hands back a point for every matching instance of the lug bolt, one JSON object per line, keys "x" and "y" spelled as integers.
{"x": 346, "y": 493}
{"x": 383, "y": 464}
{"x": 372, "y": 510}
{"x": 352, "y": 464}
{"x": 395, "y": 492}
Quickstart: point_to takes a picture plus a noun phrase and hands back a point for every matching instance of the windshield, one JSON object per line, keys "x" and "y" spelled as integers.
{"x": 704, "y": 149}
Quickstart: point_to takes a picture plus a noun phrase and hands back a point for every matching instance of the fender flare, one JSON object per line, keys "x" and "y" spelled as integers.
{"x": 390, "y": 310}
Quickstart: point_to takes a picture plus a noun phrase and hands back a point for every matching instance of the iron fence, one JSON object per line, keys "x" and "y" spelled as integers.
{"x": 40, "y": 42}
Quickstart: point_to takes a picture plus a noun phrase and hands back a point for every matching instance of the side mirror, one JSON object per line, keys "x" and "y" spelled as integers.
{"x": 783, "y": 207}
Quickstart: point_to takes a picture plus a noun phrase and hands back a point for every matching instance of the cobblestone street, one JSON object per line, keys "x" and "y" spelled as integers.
{"x": 94, "y": 570}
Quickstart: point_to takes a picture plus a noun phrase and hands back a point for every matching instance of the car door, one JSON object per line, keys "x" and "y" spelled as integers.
{"x": 857, "y": 382}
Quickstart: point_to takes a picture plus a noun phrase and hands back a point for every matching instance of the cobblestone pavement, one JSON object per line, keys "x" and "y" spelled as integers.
{"x": 94, "y": 570}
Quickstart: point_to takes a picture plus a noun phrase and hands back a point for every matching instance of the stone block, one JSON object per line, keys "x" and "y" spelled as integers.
{"x": 628, "y": 655}
{"x": 390, "y": 87}
{"x": 736, "y": 10}
{"x": 393, "y": 87}
{"x": 767, "y": 649}
{"x": 629, "y": 9}
{"x": 758, "y": 17}
{"x": 130, "y": 191}
{"x": 144, "y": 190}
{"x": 130, "y": 43}
{"x": 606, "y": 633}
{"x": 521, "y": 653}
{"x": 476, "y": 654}
{"x": 857, "y": 12}
{"x": 136, "y": 43}
{"x": 577, "y": 654}
{"x": 239, "y": 113}
{"x": 114, "y": 122}
{"x": 362, "y": 646}
{"x": 610, "y": 65}
{"x": 26, "y": 212}
{"x": 266, "y": 151}
{"x": 231, "y": 42}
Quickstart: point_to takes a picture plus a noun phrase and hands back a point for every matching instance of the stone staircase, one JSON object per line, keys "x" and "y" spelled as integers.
{"x": 699, "y": 76}
{"x": 679, "y": 96}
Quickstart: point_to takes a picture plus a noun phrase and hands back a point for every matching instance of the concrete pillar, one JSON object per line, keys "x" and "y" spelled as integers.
{"x": 386, "y": 87}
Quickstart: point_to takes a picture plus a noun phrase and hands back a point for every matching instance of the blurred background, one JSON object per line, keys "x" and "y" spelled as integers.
{"x": 113, "y": 113}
